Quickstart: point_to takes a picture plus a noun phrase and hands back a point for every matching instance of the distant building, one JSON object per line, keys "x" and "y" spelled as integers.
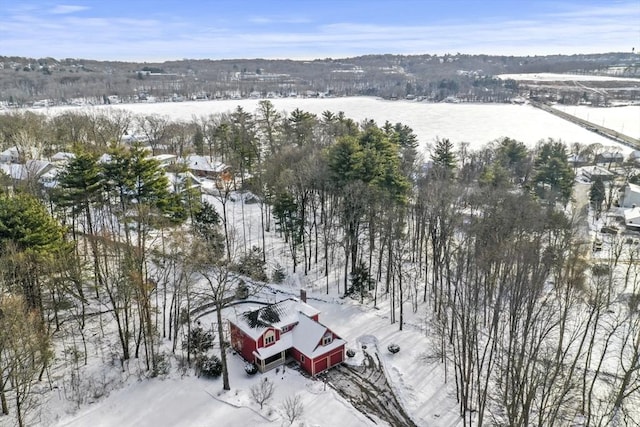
{"x": 577, "y": 160}
{"x": 201, "y": 167}
{"x": 632, "y": 218}
{"x": 610, "y": 157}
{"x": 630, "y": 197}
{"x": 593, "y": 172}
{"x": 10, "y": 155}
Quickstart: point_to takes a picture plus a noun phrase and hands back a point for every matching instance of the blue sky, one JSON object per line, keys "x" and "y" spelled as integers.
{"x": 306, "y": 29}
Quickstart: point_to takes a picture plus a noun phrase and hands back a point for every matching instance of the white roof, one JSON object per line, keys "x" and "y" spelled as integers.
{"x": 633, "y": 188}
{"x": 307, "y": 337}
{"x": 10, "y": 154}
{"x": 62, "y": 156}
{"x": 597, "y": 170}
{"x": 632, "y": 216}
{"x": 163, "y": 157}
{"x": 177, "y": 180}
{"x": 32, "y": 169}
{"x": 284, "y": 343}
{"x": 199, "y": 163}
{"x": 14, "y": 171}
{"x": 287, "y": 312}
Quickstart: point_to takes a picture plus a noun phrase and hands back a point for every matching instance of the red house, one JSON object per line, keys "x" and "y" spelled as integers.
{"x": 287, "y": 330}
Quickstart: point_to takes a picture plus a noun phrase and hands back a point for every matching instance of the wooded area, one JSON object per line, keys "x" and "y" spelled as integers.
{"x": 482, "y": 242}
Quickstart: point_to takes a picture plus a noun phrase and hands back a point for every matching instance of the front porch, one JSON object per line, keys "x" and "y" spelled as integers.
{"x": 267, "y": 363}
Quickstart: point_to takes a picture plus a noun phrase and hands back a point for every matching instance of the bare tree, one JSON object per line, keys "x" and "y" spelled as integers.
{"x": 262, "y": 392}
{"x": 293, "y": 408}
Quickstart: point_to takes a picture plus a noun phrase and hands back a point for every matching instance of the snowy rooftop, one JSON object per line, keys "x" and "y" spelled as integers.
{"x": 283, "y": 313}
{"x": 307, "y": 336}
{"x": 199, "y": 163}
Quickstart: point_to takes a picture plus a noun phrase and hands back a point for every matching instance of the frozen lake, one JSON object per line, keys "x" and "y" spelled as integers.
{"x": 477, "y": 124}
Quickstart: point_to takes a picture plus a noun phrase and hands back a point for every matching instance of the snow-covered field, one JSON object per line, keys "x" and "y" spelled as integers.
{"x": 476, "y": 124}
{"x": 625, "y": 120}
{"x": 556, "y": 77}
{"x": 191, "y": 401}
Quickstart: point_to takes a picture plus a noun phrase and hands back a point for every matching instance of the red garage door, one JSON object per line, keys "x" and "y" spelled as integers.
{"x": 320, "y": 365}
{"x": 336, "y": 358}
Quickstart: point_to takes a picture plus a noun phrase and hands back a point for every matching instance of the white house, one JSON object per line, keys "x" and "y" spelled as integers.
{"x": 630, "y": 196}
{"x": 32, "y": 170}
{"x": 10, "y": 155}
{"x": 200, "y": 166}
{"x": 632, "y": 218}
{"x": 593, "y": 172}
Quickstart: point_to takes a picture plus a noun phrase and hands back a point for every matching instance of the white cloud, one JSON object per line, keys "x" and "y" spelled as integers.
{"x": 275, "y": 20}
{"x": 64, "y": 9}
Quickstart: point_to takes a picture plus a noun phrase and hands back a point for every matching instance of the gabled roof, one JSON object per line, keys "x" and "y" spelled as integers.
{"x": 255, "y": 322}
{"x": 11, "y": 151}
{"x": 598, "y": 170}
{"x": 307, "y": 337}
{"x": 13, "y": 170}
{"x": 178, "y": 181}
{"x": 31, "y": 169}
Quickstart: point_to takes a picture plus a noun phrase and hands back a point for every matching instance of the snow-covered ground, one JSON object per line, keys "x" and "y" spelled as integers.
{"x": 181, "y": 399}
{"x": 190, "y": 401}
{"x": 476, "y": 124}
{"x": 417, "y": 379}
{"x": 556, "y": 77}
{"x": 625, "y": 120}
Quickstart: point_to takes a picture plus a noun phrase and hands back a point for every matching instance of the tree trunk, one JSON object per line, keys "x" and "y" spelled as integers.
{"x": 223, "y": 348}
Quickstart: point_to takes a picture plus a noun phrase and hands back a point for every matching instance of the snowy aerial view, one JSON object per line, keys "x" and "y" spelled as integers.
{"x": 317, "y": 214}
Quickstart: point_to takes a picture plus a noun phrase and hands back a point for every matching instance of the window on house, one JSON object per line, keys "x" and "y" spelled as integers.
{"x": 302, "y": 358}
{"x": 326, "y": 339}
{"x": 269, "y": 338}
{"x": 286, "y": 328}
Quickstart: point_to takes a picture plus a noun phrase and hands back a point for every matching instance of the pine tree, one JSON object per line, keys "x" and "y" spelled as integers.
{"x": 444, "y": 159}
{"x": 597, "y": 194}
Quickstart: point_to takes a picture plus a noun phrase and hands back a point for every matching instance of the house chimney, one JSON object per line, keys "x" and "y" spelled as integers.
{"x": 303, "y": 295}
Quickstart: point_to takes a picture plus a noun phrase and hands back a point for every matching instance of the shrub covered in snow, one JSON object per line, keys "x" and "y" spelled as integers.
{"x": 209, "y": 366}
{"x": 393, "y": 348}
{"x": 250, "y": 368}
{"x": 351, "y": 353}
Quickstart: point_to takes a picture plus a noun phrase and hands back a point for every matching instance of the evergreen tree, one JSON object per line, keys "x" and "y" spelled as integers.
{"x": 444, "y": 159}
{"x": 597, "y": 194}
{"x": 361, "y": 281}
{"x": 554, "y": 177}
{"x": 30, "y": 241}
